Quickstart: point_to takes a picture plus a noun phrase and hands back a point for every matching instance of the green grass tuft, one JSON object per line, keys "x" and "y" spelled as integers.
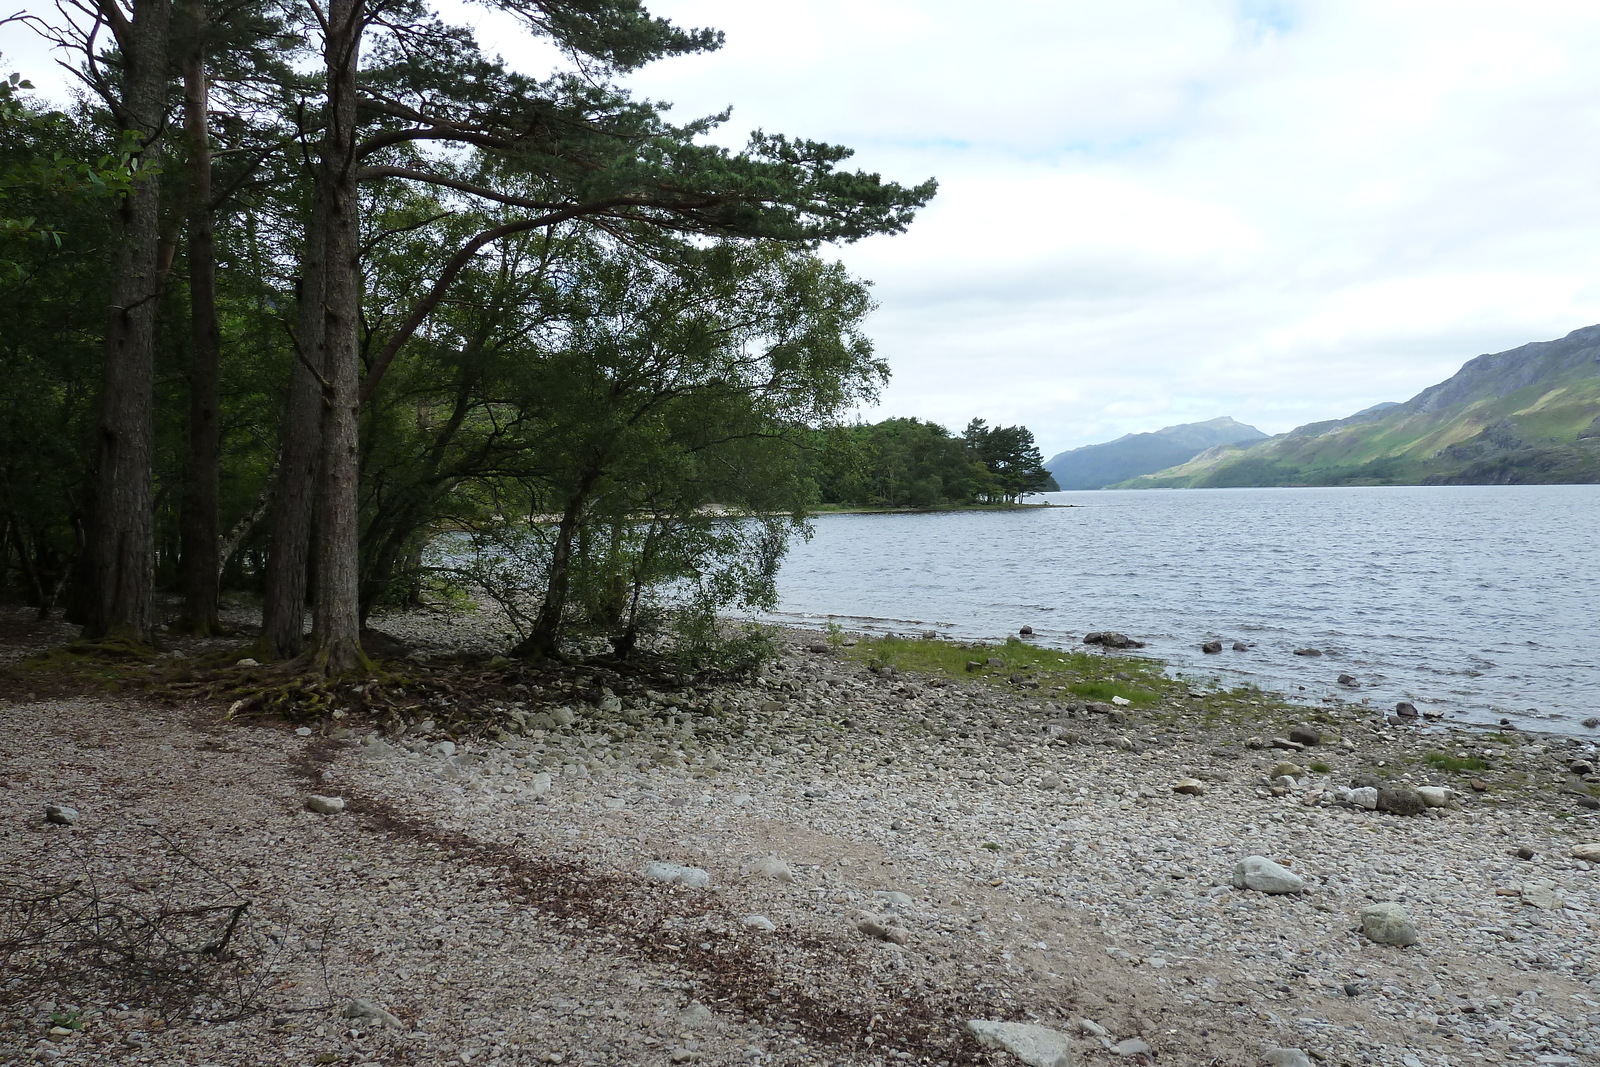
{"x": 1446, "y": 762}
{"x": 1086, "y": 675}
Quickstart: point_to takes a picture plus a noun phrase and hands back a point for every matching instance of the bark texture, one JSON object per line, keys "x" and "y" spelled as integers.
{"x": 336, "y": 613}
{"x": 118, "y": 601}
{"x": 202, "y": 486}
{"x": 300, "y": 455}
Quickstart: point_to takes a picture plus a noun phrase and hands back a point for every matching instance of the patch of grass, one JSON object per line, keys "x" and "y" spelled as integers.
{"x": 1086, "y": 675}
{"x": 1446, "y": 762}
{"x": 991, "y": 846}
{"x": 1320, "y": 768}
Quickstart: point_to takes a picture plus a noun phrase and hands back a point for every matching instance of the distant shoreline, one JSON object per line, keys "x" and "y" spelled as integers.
{"x": 843, "y": 509}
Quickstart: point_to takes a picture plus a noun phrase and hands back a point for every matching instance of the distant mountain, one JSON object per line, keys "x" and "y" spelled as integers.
{"x": 1530, "y": 415}
{"x": 1097, "y": 466}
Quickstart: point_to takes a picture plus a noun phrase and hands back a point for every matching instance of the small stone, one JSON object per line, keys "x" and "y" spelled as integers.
{"x": 1543, "y": 897}
{"x": 1349, "y": 681}
{"x": 1406, "y": 710}
{"x": 58, "y": 1033}
{"x": 1121, "y": 702}
{"x": 1592, "y": 722}
{"x": 367, "y": 1010}
{"x": 1092, "y": 1028}
{"x": 893, "y": 897}
{"x": 1240, "y": 646}
{"x": 246, "y": 662}
{"x": 1364, "y": 797}
{"x": 772, "y": 867}
{"x": 442, "y": 749}
{"x": 1265, "y": 876}
{"x": 1435, "y": 796}
{"x": 1132, "y": 1046}
{"x": 61, "y": 815}
{"x": 676, "y": 874}
{"x": 1581, "y": 766}
{"x": 1026, "y": 631}
{"x": 1050, "y": 781}
{"x": 1388, "y": 924}
{"x": 882, "y": 928}
{"x": 1287, "y": 1057}
{"x": 1286, "y": 744}
{"x": 1478, "y": 785}
{"x": 1189, "y": 786}
{"x": 759, "y": 922}
{"x": 1589, "y": 851}
{"x": 302, "y": 731}
{"x": 1285, "y": 769}
{"x": 1305, "y": 735}
{"x": 695, "y": 1016}
{"x": 324, "y": 805}
{"x": 1401, "y": 801}
{"x": 1523, "y": 852}
{"x": 1034, "y": 1045}
{"x": 1211, "y": 648}
{"x": 1308, "y": 651}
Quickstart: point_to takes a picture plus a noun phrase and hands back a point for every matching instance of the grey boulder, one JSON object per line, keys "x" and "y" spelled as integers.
{"x": 1037, "y": 1046}
{"x": 61, "y": 815}
{"x": 1286, "y": 1057}
{"x": 1401, "y": 801}
{"x": 676, "y": 874}
{"x": 1264, "y": 876}
{"x": 1388, "y": 924}
{"x": 324, "y": 805}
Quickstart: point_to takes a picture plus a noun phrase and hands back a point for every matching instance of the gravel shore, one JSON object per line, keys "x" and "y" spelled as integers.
{"x": 827, "y": 865}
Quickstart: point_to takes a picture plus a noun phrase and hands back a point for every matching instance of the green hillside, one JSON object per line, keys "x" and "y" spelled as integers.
{"x": 1524, "y": 416}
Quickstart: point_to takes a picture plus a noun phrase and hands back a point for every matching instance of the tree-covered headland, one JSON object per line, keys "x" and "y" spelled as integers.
{"x": 297, "y": 286}
{"x": 911, "y": 463}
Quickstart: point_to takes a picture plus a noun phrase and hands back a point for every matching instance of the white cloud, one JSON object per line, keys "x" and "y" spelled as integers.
{"x": 1154, "y": 211}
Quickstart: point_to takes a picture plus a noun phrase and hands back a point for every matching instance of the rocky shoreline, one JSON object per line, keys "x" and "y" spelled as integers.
{"x": 840, "y": 862}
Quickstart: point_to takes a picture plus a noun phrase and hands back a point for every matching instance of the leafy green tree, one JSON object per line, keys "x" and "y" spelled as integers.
{"x": 1012, "y": 459}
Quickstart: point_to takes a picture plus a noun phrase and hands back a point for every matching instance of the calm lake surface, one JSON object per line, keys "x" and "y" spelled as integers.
{"x": 1479, "y": 601}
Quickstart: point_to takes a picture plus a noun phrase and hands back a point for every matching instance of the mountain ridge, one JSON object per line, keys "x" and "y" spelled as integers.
{"x": 1099, "y": 465}
{"x": 1530, "y": 414}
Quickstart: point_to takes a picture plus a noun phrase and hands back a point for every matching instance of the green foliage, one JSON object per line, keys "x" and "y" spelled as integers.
{"x": 704, "y": 645}
{"x": 911, "y": 463}
{"x": 1085, "y": 675}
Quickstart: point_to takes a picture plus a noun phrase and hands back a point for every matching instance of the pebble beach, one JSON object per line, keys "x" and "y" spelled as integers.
{"x": 833, "y": 863}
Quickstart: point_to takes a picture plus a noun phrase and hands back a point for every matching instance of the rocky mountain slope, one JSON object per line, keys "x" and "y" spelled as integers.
{"x": 1097, "y": 466}
{"x": 1527, "y": 416}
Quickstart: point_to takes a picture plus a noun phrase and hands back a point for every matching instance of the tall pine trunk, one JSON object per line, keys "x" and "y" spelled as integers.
{"x": 119, "y": 600}
{"x": 336, "y": 612}
{"x": 300, "y": 454}
{"x": 202, "y": 484}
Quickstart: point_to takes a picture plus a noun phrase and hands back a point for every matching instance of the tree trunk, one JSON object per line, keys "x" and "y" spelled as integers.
{"x": 203, "y": 471}
{"x": 119, "y": 599}
{"x": 336, "y": 613}
{"x": 545, "y": 637}
{"x": 299, "y": 460}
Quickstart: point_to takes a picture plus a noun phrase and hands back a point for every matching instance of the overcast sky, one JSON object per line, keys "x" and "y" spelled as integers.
{"x": 1162, "y": 211}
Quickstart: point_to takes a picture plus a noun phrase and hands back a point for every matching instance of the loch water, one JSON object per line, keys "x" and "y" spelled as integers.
{"x": 1480, "y": 602}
